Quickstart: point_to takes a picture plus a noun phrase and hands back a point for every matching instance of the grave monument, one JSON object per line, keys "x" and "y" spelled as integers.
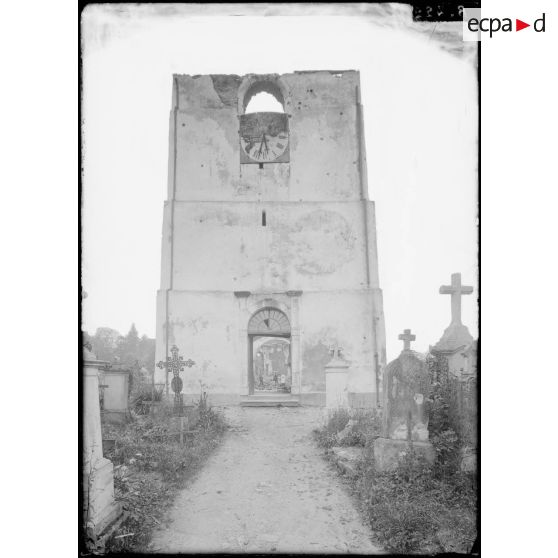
{"x": 457, "y": 351}
{"x": 406, "y": 389}
{"x": 100, "y": 509}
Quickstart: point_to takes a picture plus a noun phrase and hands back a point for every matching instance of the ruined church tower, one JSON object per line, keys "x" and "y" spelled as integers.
{"x": 269, "y": 240}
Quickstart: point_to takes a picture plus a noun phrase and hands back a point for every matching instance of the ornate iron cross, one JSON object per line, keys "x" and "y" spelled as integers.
{"x": 176, "y": 364}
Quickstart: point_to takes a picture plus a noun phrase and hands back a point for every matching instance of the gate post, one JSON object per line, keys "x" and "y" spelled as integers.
{"x": 336, "y": 372}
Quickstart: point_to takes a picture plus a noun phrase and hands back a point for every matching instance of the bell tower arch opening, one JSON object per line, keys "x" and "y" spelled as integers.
{"x": 263, "y": 96}
{"x": 269, "y": 352}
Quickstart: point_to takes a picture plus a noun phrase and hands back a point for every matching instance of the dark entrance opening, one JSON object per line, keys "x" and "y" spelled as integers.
{"x": 269, "y": 352}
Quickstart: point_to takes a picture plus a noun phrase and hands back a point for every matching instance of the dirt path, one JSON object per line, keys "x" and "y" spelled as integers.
{"x": 266, "y": 489}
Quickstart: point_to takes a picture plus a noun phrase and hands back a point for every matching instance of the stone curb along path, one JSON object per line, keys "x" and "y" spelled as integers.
{"x": 266, "y": 489}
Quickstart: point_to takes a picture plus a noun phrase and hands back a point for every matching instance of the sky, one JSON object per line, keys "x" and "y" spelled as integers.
{"x": 419, "y": 93}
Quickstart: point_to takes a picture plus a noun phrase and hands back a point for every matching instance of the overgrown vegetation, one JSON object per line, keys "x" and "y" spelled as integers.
{"x": 343, "y": 428}
{"x": 412, "y": 510}
{"x": 151, "y": 465}
{"x": 143, "y": 395}
{"x": 417, "y": 507}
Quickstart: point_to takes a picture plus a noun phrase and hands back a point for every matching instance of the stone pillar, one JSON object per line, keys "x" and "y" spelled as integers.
{"x": 100, "y": 509}
{"x": 295, "y": 342}
{"x": 336, "y": 373}
{"x": 243, "y": 317}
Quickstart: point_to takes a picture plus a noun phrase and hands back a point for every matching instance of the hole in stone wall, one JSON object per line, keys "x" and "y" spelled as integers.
{"x": 263, "y": 219}
{"x": 263, "y": 102}
{"x": 261, "y": 165}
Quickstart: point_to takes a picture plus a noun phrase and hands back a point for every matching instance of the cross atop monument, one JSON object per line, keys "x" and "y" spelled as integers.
{"x": 407, "y": 337}
{"x": 455, "y": 290}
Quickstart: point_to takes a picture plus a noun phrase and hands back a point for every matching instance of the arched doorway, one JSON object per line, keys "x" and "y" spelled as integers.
{"x": 269, "y": 352}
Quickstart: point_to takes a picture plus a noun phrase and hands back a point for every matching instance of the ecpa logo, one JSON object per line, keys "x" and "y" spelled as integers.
{"x": 476, "y": 27}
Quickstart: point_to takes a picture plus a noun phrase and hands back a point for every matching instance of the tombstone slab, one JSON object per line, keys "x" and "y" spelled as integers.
{"x": 116, "y": 380}
{"x": 406, "y": 390}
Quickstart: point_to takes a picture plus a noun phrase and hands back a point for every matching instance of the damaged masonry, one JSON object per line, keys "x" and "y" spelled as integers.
{"x": 269, "y": 240}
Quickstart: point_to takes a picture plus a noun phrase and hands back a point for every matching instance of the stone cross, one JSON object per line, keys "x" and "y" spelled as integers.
{"x": 456, "y": 290}
{"x": 407, "y": 337}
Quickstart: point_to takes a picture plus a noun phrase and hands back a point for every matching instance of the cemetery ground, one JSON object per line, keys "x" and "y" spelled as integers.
{"x": 265, "y": 480}
{"x": 416, "y": 508}
{"x": 151, "y": 466}
{"x": 267, "y": 488}
{"x": 257, "y": 483}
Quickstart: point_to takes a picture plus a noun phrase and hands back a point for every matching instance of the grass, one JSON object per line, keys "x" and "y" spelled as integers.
{"x": 151, "y": 466}
{"x": 416, "y": 508}
{"x": 365, "y": 427}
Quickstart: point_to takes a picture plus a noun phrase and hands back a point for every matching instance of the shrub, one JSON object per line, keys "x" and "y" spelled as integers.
{"x": 411, "y": 510}
{"x": 365, "y": 428}
{"x": 143, "y": 393}
{"x": 150, "y": 463}
{"x": 326, "y": 436}
{"x": 442, "y": 426}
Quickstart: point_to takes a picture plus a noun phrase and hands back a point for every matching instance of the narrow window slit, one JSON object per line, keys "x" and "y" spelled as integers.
{"x": 263, "y": 219}
{"x": 261, "y": 165}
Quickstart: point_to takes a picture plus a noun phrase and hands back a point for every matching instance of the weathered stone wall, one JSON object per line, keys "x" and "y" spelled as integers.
{"x": 318, "y": 238}
{"x": 318, "y": 246}
{"x": 200, "y": 324}
{"x": 324, "y": 142}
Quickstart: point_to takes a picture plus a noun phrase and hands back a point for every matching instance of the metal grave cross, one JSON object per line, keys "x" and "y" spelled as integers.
{"x": 456, "y": 290}
{"x": 176, "y": 364}
{"x": 407, "y": 337}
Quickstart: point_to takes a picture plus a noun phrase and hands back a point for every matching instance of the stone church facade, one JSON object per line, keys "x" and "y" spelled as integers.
{"x": 268, "y": 233}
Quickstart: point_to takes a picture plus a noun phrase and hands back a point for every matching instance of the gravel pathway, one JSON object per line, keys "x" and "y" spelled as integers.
{"x": 267, "y": 488}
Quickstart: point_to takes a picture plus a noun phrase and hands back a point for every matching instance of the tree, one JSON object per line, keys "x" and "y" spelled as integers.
{"x": 105, "y": 343}
{"x": 146, "y": 353}
{"x": 128, "y": 348}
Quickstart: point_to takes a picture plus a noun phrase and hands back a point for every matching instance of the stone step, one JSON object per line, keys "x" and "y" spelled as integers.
{"x": 269, "y": 401}
{"x": 266, "y": 396}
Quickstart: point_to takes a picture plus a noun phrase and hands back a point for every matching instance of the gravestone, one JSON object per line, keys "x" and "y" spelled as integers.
{"x": 100, "y": 509}
{"x": 176, "y": 364}
{"x": 336, "y": 373}
{"x": 116, "y": 382}
{"x": 457, "y": 351}
{"x": 405, "y": 418}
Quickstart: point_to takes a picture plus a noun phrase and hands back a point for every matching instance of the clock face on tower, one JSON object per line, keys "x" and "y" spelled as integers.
{"x": 264, "y": 138}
